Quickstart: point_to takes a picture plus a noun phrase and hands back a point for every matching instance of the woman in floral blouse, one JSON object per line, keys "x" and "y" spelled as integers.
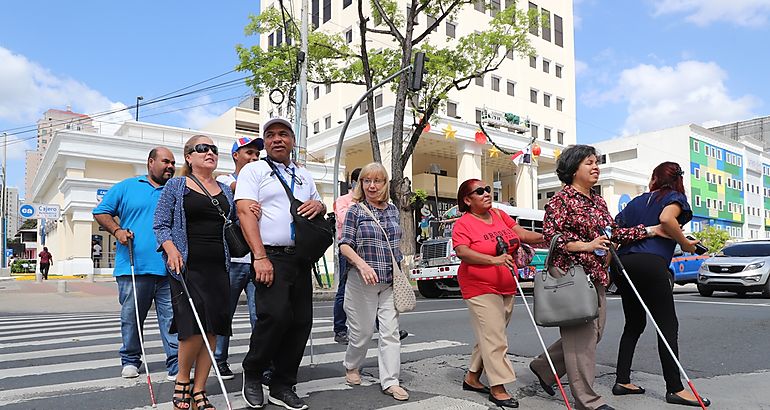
{"x": 579, "y": 214}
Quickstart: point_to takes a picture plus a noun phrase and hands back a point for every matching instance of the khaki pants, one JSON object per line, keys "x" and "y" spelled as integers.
{"x": 490, "y": 315}
{"x": 364, "y": 303}
{"x": 575, "y": 355}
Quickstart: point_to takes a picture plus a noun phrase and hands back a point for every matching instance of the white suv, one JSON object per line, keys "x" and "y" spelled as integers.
{"x": 741, "y": 267}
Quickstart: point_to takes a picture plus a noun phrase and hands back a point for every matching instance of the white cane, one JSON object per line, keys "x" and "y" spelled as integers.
{"x": 178, "y": 276}
{"x": 138, "y": 322}
{"x": 502, "y": 247}
{"x": 608, "y": 232}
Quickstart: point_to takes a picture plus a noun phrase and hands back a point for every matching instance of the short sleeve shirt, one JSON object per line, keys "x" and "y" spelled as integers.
{"x": 259, "y": 183}
{"x": 645, "y": 209}
{"x": 476, "y": 280}
{"x": 133, "y": 200}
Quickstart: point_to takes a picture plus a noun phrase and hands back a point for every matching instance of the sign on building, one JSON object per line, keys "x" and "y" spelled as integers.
{"x": 40, "y": 211}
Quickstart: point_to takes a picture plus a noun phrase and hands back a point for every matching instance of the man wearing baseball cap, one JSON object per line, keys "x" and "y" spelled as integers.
{"x": 245, "y": 150}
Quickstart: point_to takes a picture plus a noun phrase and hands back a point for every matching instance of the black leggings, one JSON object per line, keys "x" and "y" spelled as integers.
{"x": 653, "y": 281}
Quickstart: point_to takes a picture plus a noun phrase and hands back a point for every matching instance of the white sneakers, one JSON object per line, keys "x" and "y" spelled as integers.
{"x": 129, "y": 371}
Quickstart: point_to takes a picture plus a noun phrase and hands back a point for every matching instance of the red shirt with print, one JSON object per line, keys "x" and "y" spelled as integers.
{"x": 481, "y": 237}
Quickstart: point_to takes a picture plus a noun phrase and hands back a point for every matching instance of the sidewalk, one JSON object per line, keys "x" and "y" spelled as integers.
{"x": 74, "y": 294}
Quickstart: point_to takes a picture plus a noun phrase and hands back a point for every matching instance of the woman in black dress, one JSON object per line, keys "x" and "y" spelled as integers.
{"x": 189, "y": 228}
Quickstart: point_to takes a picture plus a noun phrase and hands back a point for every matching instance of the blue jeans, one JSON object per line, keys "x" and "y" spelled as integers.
{"x": 149, "y": 288}
{"x": 340, "y": 318}
{"x": 240, "y": 280}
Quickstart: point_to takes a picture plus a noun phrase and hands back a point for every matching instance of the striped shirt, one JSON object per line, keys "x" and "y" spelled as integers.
{"x": 362, "y": 233}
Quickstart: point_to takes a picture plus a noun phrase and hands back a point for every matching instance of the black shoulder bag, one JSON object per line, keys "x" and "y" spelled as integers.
{"x": 311, "y": 236}
{"x": 236, "y": 243}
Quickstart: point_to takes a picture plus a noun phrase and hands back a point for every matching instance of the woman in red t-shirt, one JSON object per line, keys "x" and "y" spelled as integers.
{"x": 487, "y": 285}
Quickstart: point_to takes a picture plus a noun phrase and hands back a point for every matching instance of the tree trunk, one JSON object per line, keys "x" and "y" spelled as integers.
{"x": 406, "y": 220}
{"x": 367, "y": 71}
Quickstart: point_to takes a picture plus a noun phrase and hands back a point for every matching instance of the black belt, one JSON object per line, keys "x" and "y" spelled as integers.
{"x": 289, "y": 250}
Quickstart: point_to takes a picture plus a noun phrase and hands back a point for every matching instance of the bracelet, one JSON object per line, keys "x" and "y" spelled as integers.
{"x": 260, "y": 258}
{"x": 116, "y": 231}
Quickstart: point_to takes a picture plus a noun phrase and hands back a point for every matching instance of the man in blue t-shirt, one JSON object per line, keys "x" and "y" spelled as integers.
{"x": 133, "y": 201}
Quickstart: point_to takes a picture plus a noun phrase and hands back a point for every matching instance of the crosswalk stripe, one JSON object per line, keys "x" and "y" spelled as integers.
{"x": 52, "y": 319}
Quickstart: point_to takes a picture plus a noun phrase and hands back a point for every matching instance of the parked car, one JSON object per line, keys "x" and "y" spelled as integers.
{"x": 684, "y": 266}
{"x": 740, "y": 267}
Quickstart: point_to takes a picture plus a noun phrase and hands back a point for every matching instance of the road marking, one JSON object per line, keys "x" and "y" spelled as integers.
{"x": 708, "y": 302}
{"x": 438, "y": 402}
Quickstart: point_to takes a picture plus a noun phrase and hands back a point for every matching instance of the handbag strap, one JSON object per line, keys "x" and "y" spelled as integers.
{"x": 214, "y": 201}
{"x": 377, "y": 221}
{"x": 550, "y": 250}
{"x": 283, "y": 183}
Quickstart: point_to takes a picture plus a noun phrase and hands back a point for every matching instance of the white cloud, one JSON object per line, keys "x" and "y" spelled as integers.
{"x": 580, "y": 68}
{"x": 203, "y": 112}
{"x": 28, "y": 89}
{"x": 659, "y": 97}
{"x": 749, "y": 13}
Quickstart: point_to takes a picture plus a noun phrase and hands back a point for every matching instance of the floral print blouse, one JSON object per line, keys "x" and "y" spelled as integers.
{"x": 579, "y": 218}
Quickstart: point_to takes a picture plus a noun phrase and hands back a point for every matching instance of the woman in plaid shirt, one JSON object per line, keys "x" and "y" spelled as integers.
{"x": 369, "y": 288}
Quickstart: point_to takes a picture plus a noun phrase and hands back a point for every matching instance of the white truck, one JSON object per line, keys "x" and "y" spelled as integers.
{"x": 437, "y": 263}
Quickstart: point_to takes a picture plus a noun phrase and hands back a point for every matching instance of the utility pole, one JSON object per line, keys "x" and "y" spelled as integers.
{"x": 139, "y": 98}
{"x": 5, "y": 199}
{"x": 301, "y": 95}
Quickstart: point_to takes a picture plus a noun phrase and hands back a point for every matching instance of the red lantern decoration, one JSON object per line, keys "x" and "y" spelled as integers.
{"x": 536, "y": 150}
{"x": 481, "y": 138}
{"x": 427, "y": 128}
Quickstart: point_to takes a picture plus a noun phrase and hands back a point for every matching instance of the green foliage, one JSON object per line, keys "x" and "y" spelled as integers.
{"x": 29, "y": 223}
{"x": 713, "y": 238}
{"x": 419, "y": 195}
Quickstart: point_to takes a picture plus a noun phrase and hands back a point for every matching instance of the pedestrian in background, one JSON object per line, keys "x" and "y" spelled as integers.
{"x": 190, "y": 230}
{"x": 341, "y": 206}
{"x": 370, "y": 241}
{"x": 646, "y": 263}
{"x": 487, "y": 285}
{"x": 284, "y": 289}
{"x": 244, "y": 151}
{"x": 578, "y": 214}
{"x": 133, "y": 202}
{"x": 46, "y": 260}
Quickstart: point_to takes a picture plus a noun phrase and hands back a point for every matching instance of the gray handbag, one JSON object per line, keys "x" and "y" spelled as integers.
{"x": 564, "y": 298}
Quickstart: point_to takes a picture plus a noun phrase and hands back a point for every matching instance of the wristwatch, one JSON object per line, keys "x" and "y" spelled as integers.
{"x": 650, "y": 231}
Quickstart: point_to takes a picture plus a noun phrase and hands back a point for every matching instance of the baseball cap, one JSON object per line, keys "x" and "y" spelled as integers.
{"x": 277, "y": 120}
{"x": 243, "y": 141}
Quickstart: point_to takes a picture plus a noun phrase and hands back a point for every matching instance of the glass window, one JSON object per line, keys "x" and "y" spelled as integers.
{"x": 431, "y": 20}
{"x": 363, "y": 108}
{"x": 546, "y": 20}
{"x": 495, "y": 83}
{"x": 546, "y": 66}
{"x": 316, "y": 127}
{"x": 559, "y": 104}
{"x": 533, "y": 61}
{"x": 349, "y": 35}
{"x": 378, "y": 101}
{"x": 315, "y": 13}
{"x": 546, "y": 100}
{"x": 279, "y": 37}
{"x": 533, "y": 130}
{"x": 328, "y": 122}
{"x": 480, "y": 81}
{"x": 509, "y": 54}
{"x": 450, "y": 29}
{"x": 533, "y": 26}
{"x": 478, "y": 5}
{"x": 327, "y": 10}
{"x": 270, "y": 40}
{"x": 547, "y": 134}
{"x": 511, "y": 88}
{"x": 560, "y": 137}
{"x": 558, "y": 70}
{"x": 533, "y": 95}
{"x": 478, "y": 115}
{"x": 347, "y": 111}
{"x": 328, "y": 88}
{"x": 558, "y": 31}
{"x": 494, "y": 7}
{"x": 316, "y": 92}
{"x": 451, "y": 109}
{"x": 346, "y": 3}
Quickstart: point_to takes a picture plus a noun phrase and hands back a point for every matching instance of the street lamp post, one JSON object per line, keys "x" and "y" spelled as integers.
{"x": 139, "y": 98}
{"x": 435, "y": 169}
{"x": 5, "y": 199}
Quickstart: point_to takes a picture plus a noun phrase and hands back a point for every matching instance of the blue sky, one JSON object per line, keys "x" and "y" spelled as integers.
{"x": 642, "y": 65}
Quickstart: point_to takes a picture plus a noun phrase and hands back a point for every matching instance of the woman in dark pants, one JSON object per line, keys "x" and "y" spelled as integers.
{"x": 646, "y": 263}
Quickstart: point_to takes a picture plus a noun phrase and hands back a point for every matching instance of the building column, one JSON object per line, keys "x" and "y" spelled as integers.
{"x": 77, "y": 259}
{"x": 526, "y": 187}
{"x": 468, "y": 161}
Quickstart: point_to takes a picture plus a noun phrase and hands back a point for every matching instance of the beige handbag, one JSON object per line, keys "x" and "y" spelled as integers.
{"x": 403, "y": 293}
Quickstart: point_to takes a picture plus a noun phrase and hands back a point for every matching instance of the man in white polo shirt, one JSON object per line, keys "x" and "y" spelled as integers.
{"x": 284, "y": 289}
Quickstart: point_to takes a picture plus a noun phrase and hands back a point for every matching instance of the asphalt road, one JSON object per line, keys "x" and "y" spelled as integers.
{"x": 724, "y": 346}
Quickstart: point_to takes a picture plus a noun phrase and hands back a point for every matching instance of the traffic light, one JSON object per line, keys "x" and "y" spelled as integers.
{"x": 418, "y": 71}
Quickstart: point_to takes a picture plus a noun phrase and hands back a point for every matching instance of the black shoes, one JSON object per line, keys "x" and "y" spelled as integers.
{"x": 402, "y": 334}
{"x": 546, "y": 387}
{"x": 468, "y": 387}
{"x": 224, "y": 371}
{"x": 510, "y": 403}
{"x": 673, "y": 398}
{"x": 341, "y": 338}
{"x": 288, "y": 399}
{"x": 620, "y": 390}
{"x": 252, "y": 391}
{"x": 605, "y": 407}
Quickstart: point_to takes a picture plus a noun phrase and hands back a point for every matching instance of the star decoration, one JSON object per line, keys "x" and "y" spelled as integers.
{"x": 449, "y": 132}
{"x": 494, "y": 152}
{"x": 556, "y": 153}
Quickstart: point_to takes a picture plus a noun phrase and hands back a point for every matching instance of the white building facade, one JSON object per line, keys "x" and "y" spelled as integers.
{"x": 541, "y": 89}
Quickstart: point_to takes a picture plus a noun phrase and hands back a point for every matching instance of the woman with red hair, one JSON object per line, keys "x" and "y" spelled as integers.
{"x": 646, "y": 263}
{"x": 487, "y": 285}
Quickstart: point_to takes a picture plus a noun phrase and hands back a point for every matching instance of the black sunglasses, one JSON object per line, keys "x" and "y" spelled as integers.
{"x": 204, "y": 148}
{"x": 480, "y": 190}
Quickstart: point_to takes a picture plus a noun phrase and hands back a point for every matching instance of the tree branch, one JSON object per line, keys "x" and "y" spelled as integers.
{"x": 393, "y": 29}
{"x": 435, "y": 24}
{"x": 367, "y": 72}
{"x": 378, "y": 31}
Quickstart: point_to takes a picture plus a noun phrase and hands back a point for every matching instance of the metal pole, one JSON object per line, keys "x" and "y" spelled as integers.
{"x": 435, "y": 185}
{"x": 5, "y": 199}
{"x": 301, "y": 123}
{"x": 347, "y": 122}
{"x": 139, "y": 98}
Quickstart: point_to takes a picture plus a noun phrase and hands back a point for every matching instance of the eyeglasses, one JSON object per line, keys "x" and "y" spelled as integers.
{"x": 480, "y": 191}
{"x": 378, "y": 182}
{"x": 204, "y": 148}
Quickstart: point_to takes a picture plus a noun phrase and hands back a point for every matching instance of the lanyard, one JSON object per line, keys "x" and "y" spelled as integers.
{"x": 293, "y": 178}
